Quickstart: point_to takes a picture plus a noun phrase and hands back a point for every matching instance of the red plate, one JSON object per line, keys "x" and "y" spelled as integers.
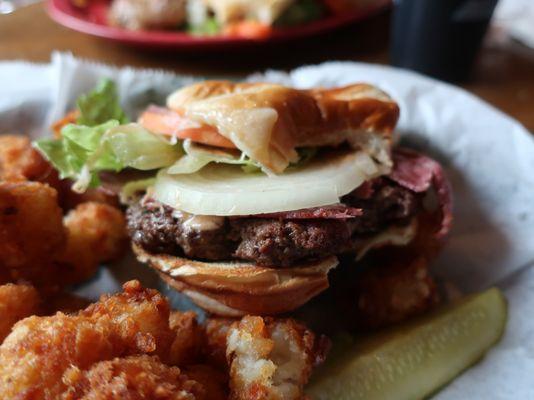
{"x": 92, "y": 20}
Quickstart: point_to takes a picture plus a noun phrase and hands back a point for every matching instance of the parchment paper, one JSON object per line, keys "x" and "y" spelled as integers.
{"x": 488, "y": 157}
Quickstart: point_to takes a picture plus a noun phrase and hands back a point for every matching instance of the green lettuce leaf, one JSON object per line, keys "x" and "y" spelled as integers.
{"x": 138, "y": 148}
{"x": 83, "y": 151}
{"x": 209, "y": 27}
{"x": 78, "y": 155}
{"x": 100, "y": 105}
{"x": 198, "y": 156}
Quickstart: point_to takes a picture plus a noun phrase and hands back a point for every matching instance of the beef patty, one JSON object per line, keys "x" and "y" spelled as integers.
{"x": 270, "y": 241}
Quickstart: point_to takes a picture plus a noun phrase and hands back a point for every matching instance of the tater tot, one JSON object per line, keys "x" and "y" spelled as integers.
{"x": 31, "y": 232}
{"x": 16, "y": 302}
{"x": 96, "y": 233}
{"x": 131, "y": 378}
{"x": 19, "y": 161}
{"x": 390, "y": 293}
{"x": 187, "y": 345}
{"x": 270, "y": 358}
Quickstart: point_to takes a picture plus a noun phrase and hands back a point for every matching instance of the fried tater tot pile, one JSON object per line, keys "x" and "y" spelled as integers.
{"x": 95, "y": 234}
{"x": 39, "y": 245}
{"x": 125, "y": 347}
{"x": 40, "y": 350}
{"x": 31, "y": 232}
{"x": 131, "y": 378}
{"x": 19, "y": 161}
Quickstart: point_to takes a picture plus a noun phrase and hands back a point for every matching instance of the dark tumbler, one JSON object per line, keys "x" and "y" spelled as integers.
{"x": 439, "y": 38}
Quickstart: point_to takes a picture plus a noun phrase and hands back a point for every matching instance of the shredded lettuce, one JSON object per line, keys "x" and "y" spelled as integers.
{"x": 198, "y": 156}
{"x": 83, "y": 151}
{"x": 138, "y": 148}
{"x": 100, "y": 105}
{"x": 78, "y": 155}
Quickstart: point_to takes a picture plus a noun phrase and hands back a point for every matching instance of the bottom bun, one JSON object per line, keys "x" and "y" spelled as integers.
{"x": 234, "y": 289}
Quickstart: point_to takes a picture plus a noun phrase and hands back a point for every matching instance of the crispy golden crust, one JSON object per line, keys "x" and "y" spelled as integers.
{"x": 31, "y": 232}
{"x": 268, "y": 122}
{"x": 142, "y": 316}
{"x": 391, "y": 292}
{"x": 131, "y": 378}
{"x": 34, "y": 357}
{"x": 16, "y": 302}
{"x": 39, "y": 246}
{"x": 270, "y": 359}
{"x": 237, "y": 289}
{"x": 96, "y": 233}
{"x": 19, "y": 161}
{"x": 215, "y": 347}
{"x": 127, "y": 345}
{"x": 189, "y": 338}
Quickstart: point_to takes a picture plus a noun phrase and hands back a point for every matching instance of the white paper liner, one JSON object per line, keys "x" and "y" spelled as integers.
{"x": 488, "y": 157}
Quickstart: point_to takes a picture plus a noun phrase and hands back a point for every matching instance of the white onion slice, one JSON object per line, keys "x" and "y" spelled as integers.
{"x": 225, "y": 190}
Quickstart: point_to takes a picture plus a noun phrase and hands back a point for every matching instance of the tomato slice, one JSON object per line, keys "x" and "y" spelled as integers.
{"x": 248, "y": 29}
{"x": 167, "y": 122}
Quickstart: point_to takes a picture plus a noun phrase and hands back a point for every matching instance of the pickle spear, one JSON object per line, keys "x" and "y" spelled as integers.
{"x": 413, "y": 361}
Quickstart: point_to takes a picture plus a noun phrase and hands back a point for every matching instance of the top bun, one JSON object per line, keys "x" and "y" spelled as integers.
{"x": 268, "y": 122}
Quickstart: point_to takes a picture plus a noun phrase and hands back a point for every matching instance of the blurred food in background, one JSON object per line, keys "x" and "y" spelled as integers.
{"x": 238, "y": 18}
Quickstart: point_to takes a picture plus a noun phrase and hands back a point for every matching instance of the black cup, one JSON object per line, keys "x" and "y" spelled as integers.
{"x": 439, "y": 38}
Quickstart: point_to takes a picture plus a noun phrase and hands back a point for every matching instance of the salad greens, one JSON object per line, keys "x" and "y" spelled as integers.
{"x": 197, "y": 156}
{"x": 209, "y": 27}
{"x": 100, "y": 105}
{"x": 84, "y": 151}
{"x": 102, "y": 139}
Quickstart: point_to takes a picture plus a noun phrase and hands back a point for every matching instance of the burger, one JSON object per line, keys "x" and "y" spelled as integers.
{"x": 253, "y": 192}
{"x": 256, "y": 19}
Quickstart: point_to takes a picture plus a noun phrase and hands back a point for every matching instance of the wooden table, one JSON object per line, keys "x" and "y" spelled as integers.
{"x": 503, "y": 75}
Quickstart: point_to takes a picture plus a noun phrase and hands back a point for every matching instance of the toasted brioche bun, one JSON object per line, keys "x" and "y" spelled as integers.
{"x": 235, "y": 288}
{"x": 268, "y": 122}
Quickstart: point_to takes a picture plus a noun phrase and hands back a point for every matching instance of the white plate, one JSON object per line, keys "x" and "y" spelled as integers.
{"x": 488, "y": 156}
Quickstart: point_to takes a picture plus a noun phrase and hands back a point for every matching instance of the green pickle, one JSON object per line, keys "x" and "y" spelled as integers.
{"x": 414, "y": 360}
